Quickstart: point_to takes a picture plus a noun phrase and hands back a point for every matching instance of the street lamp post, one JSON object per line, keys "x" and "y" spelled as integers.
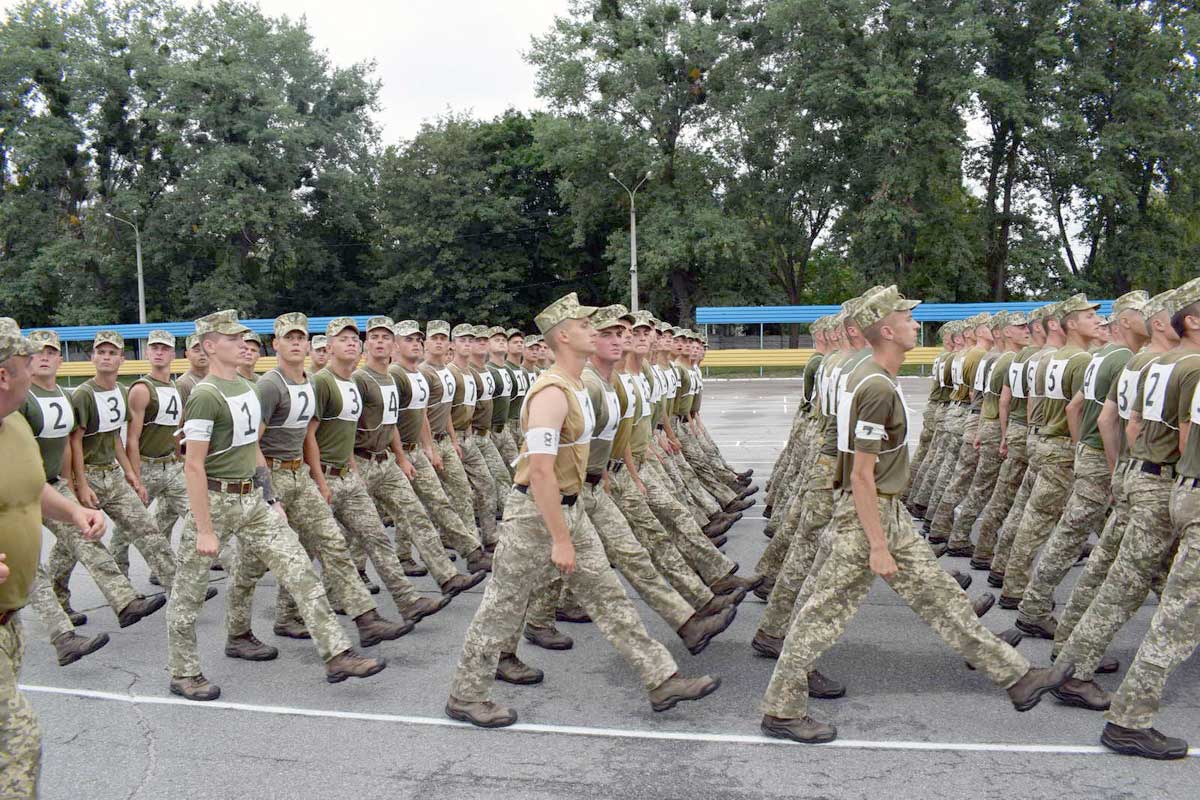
{"x": 137, "y": 245}
{"x": 633, "y": 282}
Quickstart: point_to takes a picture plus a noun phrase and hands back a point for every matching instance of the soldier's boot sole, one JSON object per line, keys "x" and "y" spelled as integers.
{"x": 820, "y": 734}
{"x": 671, "y": 701}
{"x": 463, "y": 716}
{"x": 341, "y": 675}
{"x": 1146, "y": 744}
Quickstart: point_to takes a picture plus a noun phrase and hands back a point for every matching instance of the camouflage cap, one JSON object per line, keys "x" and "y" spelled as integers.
{"x": 643, "y": 319}
{"x": 608, "y": 316}
{"x": 1184, "y": 296}
{"x": 463, "y": 330}
{"x": 223, "y": 322}
{"x": 1158, "y": 303}
{"x": 982, "y": 318}
{"x": 193, "y": 340}
{"x": 340, "y": 324}
{"x": 380, "y": 322}
{"x": 562, "y": 309}
{"x": 109, "y": 337}
{"x": 13, "y": 344}
{"x": 40, "y": 339}
{"x": 532, "y": 339}
{"x": 1076, "y": 302}
{"x": 998, "y": 321}
{"x": 160, "y": 337}
{"x": 878, "y": 305}
{"x": 1016, "y": 318}
{"x": 852, "y": 305}
{"x": 662, "y": 326}
{"x": 319, "y": 342}
{"x": 1130, "y": 301}
{"x": 495, "y": 330}
{"x": 9, "y": 325}
{"x": 251, "y": 336}
{"x": 291, "y": 321}
{"x": 514, "y": 332}
{"x": 407, "y": 327}
{"x": 1050, "y": 311}
{"x": 479, "y": 331}
{"x": 437, "y": 326}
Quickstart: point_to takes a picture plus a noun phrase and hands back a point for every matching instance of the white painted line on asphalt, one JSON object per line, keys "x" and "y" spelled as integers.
{"x": 576, "y": 730}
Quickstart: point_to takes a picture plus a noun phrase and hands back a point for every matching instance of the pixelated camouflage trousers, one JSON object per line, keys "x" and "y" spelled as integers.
{"x": 983, "y": 484}
{"x": 960, "y": 458}
{"x": 1146, "y": 550}
{"x": 1040, "y": 515}
{"x": 484, "y": 502}
{"x": 963, "y": 476}
{"x": 841, "y": 586}
{"x": 263, "y": 535}
{"x": 1008, "y": 483}
{"x": 1175, "y": 629}
{"x": 20, "y": 734}
{"x": 699, "y": 551}
{"x": 521, "y": 567}
{"x": 1083, "y": 514}
{"x": 455, "y": 533}
{"x": 165, "y": 486}
{"x": 394, "y": 495}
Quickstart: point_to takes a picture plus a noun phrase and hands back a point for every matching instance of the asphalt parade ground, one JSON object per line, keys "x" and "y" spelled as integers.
{"x": 914, "y": 723}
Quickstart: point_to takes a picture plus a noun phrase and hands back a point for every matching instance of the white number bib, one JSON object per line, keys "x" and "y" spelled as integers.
{"x": 1127, "y": 389}
{"x": 1089, "y": 379}
{"x": 110, "y": 410}
{"x": 1031, "y": 377}
{"x": 589, "y": 417}
{"x": 506, "y": 376}
{"x": 630, "y": 397}
{"x": 956, "y": 370}
{"x": 522, "y": 383}
{"x": 448, "y": 384}
{"x": 646, "y": 396}
{"x": 1016, "y": 379}
{"x": 301, "y": 402}
{"x": 352, "y": 404}
{"x": 981, "y": 375}
{"x": 614, "y": 417}
{"x": 168, "y": 406}
{"x": 420, "y": 390}
{"x": 488, "y": 390}
{"x": 1155, "y": 399}
{"x": 391, "y": 403}
{"x": 58, "y": 418}
{"x": 1055, "y": 372}
{"x": 247, "y": 414}
{"x": 1196, "y": 405}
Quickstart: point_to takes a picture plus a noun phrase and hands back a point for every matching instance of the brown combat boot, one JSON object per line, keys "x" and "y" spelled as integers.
{"x": 349, "y": 664}
{"x": 511, "y": 669}
{"x": 373, "y": 629}
{"x": 249, "y": 648}
{"x": 479, "y": 561}
{"x": 1144, "y": 742}
{"x": 804, "y": 730}
{"x": 731, "y": 583}
{"x": 548, "y": 638}
{"x": 412, "y": 569}
{"x": 720, "y": 602}
{"x": 767, "y": 645}
{"x": 71, "y": 647}
{"x": 293, "y": 629}
{"x": 484, "y": 714}
{"x": 698, "y": 631}
{"x": 573, "y": 612}
{"x": 460, "y": 583}
{"x": 983, "y": 604}
{"x": 1083, "y": 694}
{"x": 1027, "y": 692}
{"x": 677, "y": 689}
{"x": 139, "y": 609}
{"x": 195, "y": 687}
{"x": 424, "y": 607}
{"x": 737, "y": 504}
{"x": 1042, "y": 628}
{"x": 372, "y": 586}
{"x": 824, "y": 688}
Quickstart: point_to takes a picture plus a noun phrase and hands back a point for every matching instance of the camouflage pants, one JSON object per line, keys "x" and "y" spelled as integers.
{"x": 124, "y": 507}
{"x": 983, "y": 483}
{"x": 1012, "y": 517}
{"x": 497, "y": 466}
{"x": 70, "y": 547}
{"x": 707, "y": 501}
{"x": 508, "y": 451}
{"x": 20, "y": 734}
{"x": 165, "y": 486}
{"x": 777, "y": 548}
{"x": 790, "y": 450}
{"x": 654, "y": 537}
{"x": 961, "y": 479}
{"x": 694, "y": 497}
{"x": 963, "y": 447}
{"x": 798, "y": 565}
{"x": 1083, "y": 514}
{"x": 455, "y": 482}
{"x": 630, "y": 558}
{"x": 708, "y": 452}
{"x": 841, "y": 586}
{"x": 483, "y": 487}
{"x": 454, "y": 533}
{"x": 1098, "y": 563}
{"x": 1039, "y": 516}
{"x": 697, "y": 549}
{"x": 1174, "y": 631}
{"x": 1008, "y": 482}
{"x": 46, "y": 605}
{"x": 521, "y": 566}
{"x": 355, "y": 511}
{"x": 394, "y": 495}
{"x": 263, "y": 535}
{"x": 312, "y": 519}
{"x": 698, "y": 461}
{"x": 944, "y": 445}
{"x": 1146, "y": 548}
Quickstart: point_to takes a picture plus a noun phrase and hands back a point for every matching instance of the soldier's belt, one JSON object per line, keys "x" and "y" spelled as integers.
{"x": 567, "y": 499}
{"x": 170, "y": 459}
{"x": 102, "y": 467}
{"x": 5, "y": 616}
{"x": 368, "y": 455}
{"x": 1150, "y": 468}
{"x": 335, "y": 472}
{"x": 293, "y": 464}
{"x": 616, "y": 465}
{"x": 230, "y": 487}
{"x": 440, "y": 436}
{"x": 481, "y": 432}
{"x": 410, "y": 447}
{"x": 594, "y": 478}
{"x": 1188, "y": 483}
{"x": 498, "y": 428}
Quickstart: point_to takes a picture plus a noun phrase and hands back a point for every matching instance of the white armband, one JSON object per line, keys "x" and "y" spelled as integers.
{"x": 542, "y": 440}
{"x": 869, "y": 431}
{"x": 197, "y": 430}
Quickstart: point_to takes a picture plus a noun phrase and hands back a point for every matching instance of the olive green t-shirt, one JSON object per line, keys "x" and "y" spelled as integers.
{"x": 226, "y": 414}
{"x": 946, "y": 376}
{"x": 501, "y": 398}
{"x": 339, "y": 405}
{"x": 1189, "y": 411}
{"x": 970, "y": 365}
{"x": 606, "y": 408}
{"x": 51, "y": 419}
{"x": 1166, "y": 389}
{"x": 628, "y": 399}
{"x": 287, "y": 408}
{"x": 442, "y": 387}
{"x": 1101, "y": 373}
{"x": 839, "y": 383}
{"x": 520, "y": 381}
{"x": 485, "y": 379}
{"x": 414, "y": 398}
{"x": 1035, "y": 379}
{"x": 185, "y": 383}
{"x": 643, "y": 427}
{"x": 163, "y": 414}
{"x": 810, "y": 379}
{"x": 101, "y": 413}
{"x": 983, "y": 374}
{"x": 1064, "y": 377}
{"x": 875, "y": 422}
{"x": 995, "y": 382}
{"x": 1018, "y": 384}
{"x": 22, "y": 479}
{"x": 466, "y": 394}
{"x": 683, "y": 397}
{"x": 381, "y": 410}
{"x": 1124, "y": 389}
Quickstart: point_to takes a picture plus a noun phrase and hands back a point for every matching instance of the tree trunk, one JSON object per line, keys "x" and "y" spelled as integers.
{"x": 1000, "y": 268}
{"x": 681, "y": 293}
